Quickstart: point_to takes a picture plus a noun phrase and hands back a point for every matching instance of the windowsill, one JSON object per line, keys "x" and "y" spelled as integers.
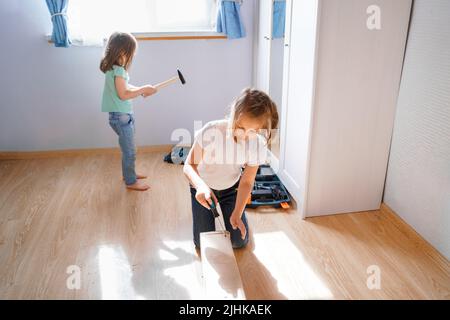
{"x": 144, "y": 36}
{"x": 188, "y": 35}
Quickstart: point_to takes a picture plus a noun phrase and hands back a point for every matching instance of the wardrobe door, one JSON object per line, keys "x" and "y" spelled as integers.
{"x": 298, "y": 93}
{"x": 359, "y": 65}
{"x": 279, "y": 44}
{"x": 264, "y": 45}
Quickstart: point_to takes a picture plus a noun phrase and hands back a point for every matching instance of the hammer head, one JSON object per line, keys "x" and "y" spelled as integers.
{"x": 180, "y": 75}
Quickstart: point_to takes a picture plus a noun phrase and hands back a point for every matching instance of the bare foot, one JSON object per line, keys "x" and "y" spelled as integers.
{"x": 138, "y": 176}
{"x": 139, "y": 186}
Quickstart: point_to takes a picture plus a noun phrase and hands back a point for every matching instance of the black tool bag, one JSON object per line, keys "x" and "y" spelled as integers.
{"x": 178, "y": 155}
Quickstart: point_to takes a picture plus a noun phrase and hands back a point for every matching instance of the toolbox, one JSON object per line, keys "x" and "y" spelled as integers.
{"x": 268, "y": 190}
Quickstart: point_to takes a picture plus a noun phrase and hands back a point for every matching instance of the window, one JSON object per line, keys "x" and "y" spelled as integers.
{"x": 95, "y": 19}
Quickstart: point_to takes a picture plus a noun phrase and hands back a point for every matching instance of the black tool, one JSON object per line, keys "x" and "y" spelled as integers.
{"x": 215, "y": 210}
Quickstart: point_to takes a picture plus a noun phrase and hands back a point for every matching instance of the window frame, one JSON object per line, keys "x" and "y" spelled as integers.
{"x": 159, "y": 35}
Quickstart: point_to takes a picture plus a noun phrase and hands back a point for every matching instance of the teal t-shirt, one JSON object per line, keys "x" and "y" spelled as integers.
{"x": 110, "y": 100}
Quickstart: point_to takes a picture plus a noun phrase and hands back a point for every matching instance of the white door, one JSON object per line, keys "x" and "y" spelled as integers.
{"x": 264, "y": 45}
{"x": 356, "y": 95}
{"x": 298, "y": 94}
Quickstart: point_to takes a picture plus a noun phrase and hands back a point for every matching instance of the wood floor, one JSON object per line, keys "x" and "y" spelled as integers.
{"x": 74, "y": 211}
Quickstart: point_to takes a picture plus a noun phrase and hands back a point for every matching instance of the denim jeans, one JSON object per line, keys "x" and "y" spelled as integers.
{"x": 203, "y": 219}
{"x": 123, "y": 125}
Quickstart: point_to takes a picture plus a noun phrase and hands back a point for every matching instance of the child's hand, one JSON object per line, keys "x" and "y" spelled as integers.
{"x": 148, "y": 90}
{"x": 205, "y": 196}
{"x": 236, "y": 223}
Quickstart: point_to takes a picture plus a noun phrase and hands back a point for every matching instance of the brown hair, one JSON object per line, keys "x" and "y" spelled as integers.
{"x": 119, "y": 43}
{"x": 258, "y": 105}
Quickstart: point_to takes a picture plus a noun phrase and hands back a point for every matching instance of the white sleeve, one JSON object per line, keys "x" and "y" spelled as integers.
{"x": 258, "y": 152}
{"x": 199, "y": 135}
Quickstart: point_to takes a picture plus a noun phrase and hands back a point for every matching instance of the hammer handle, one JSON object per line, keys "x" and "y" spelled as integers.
{"x": 167, "y": 82}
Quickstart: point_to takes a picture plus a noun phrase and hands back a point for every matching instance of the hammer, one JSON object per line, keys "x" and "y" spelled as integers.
{"x": 171, "y": 80}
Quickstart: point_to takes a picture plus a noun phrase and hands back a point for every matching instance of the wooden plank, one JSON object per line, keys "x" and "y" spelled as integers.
{"x": 221, "y": 277}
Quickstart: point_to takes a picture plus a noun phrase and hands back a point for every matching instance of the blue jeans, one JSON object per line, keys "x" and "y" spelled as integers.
{"x": 203, "y": 219}
{"x": 123, "y": 125}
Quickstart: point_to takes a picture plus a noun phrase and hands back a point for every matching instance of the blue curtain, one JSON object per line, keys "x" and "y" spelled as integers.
{"x": 279, "y": 17}
{"x": 58, "y": 10}
{"x": 229, "y": 19}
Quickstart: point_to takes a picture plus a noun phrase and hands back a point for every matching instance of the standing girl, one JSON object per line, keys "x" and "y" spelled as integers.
{"x": 117, "y": 95}
{"x": 223, "y": 162}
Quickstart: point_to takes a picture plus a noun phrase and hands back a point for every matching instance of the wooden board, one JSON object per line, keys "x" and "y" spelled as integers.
{"x": 221, "y": 277}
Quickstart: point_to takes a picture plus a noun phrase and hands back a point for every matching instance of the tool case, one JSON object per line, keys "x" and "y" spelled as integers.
{"x": 268, "y": 190}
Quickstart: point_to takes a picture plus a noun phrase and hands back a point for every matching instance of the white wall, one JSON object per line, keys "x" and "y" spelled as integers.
{"x": 418, "y": 179}
{"x": 50, "y": 97}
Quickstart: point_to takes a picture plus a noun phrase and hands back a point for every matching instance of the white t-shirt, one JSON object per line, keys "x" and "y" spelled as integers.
{"x": 223, "y": 157}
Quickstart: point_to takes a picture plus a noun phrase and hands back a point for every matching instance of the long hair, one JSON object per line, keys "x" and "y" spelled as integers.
{"x": 257, "y": 105}
{"x": 119, "y": 44}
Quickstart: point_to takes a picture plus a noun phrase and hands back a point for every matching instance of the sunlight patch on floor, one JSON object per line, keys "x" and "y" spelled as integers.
{"x": 183, "y": 266}
{"x": 115, "y": 274}
{"x": 294, "y": 276}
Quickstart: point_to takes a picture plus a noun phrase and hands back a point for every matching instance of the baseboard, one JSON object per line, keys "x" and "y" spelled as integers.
{"x": 21, "y": 155}
{"x": 401, "y": 223}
